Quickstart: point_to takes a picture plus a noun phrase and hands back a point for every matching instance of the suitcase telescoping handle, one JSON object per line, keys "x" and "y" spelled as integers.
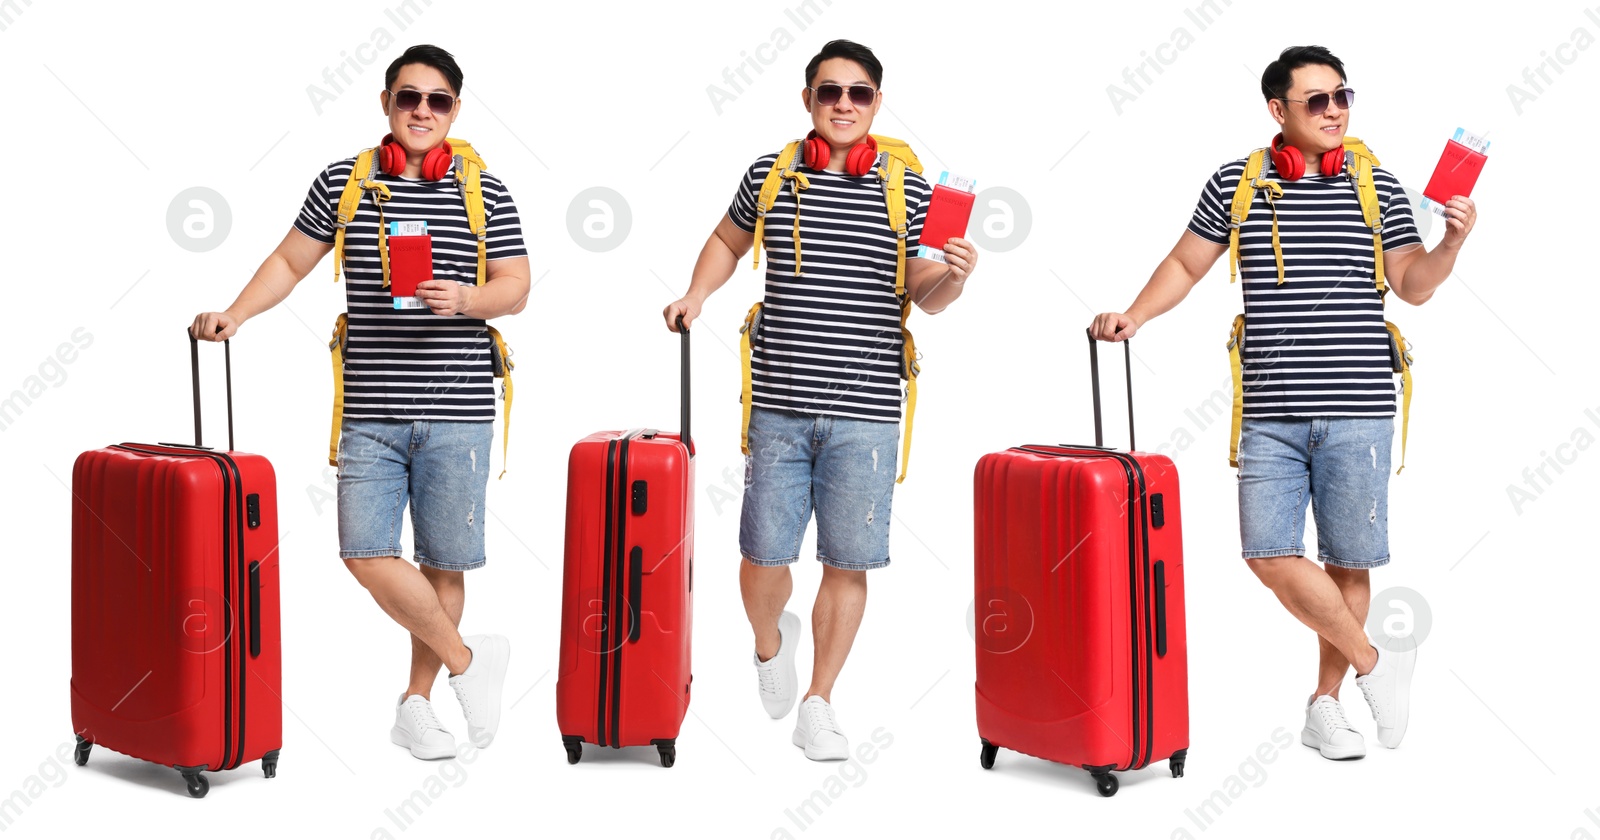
{"x": 194, "y": 370}
{"x": 1094, "y": 380}
{"x": 683, "y": 397}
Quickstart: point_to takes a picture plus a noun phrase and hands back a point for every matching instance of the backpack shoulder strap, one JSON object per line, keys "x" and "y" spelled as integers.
{"x": 359, "y": 182}
{"x": 1243, "y": 195}
{"x": 1359, "y": 161}
{"x": 900, "y": 149}
{"x": 500, "y": 359}
{"x": 336, "y": 349}
{"x": 782, "y": 169}
{"x": 469, "y": 174}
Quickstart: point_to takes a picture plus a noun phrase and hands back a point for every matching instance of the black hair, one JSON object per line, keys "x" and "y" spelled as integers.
{"x": 435, "y": 57}
{"x": 851, "y": 50}
{"x": 1275, "y": 80}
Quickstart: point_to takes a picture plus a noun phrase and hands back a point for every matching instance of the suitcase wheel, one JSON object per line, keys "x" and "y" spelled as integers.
{"x": 269, "y": 765}
{"x": 198, "y": 786}
{"x": 669, "y": 755}
{"x": 574, "y": 745}
{"x": 1106, "y": 783}
{"x": 1176, "y": 763}
{"x": 986, "y": 758}
{"x": 80, "y": 753}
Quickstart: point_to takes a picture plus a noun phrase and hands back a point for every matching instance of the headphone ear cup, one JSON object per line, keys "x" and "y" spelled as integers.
{"x": 437, "y": 162}
{"x": 1333, "y": 161}
{"x": 389, "y": 153}
{"x": 814, "y": 151}
{"x": 1287, "y": 159}
{"x": 862, "y": 156}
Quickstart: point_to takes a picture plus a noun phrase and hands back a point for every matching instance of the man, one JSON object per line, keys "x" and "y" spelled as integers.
{"x": 419, "y": 398}
{"x": 825, "y": 391}
{"x": 1319, "y": 391}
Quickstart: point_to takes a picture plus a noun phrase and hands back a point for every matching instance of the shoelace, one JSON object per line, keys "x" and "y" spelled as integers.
{"x": 422, "y": 714}
{"x": 1333, "y": 717}
{"x": 820, "y": 716}
{"x": 1377, "y": 709}
{"x": 767, "y": 672}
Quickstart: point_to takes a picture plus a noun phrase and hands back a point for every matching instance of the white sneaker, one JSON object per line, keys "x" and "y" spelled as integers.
{"x": 418, "y": 729}
{"x": 818, "y": 733}
{"x": 776, "y": 675}
{"x": 479, "y": 687}
{"x": 1388, "y": 691}
{"x": 1329, "y": 732}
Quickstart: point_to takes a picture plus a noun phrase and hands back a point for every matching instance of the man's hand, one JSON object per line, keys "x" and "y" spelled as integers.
{"x": 1460, "y": 214}
{"x": 1112, "y": 326}
{"x": 687, "y": 306}
{"x": 445, "y": 297}
{"x": 214, "y": 326}
{"x": 962, "y": 257}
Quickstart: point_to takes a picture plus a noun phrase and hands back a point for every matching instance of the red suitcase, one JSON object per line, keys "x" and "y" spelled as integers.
{"x": 1078, "y": 607}
{"x": 175, "y": 655}
{"x": 627, "y": 588}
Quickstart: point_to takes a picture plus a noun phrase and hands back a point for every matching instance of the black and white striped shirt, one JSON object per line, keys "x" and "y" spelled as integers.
{"x": 1316, "y": 345}
{"x": 410, "y": 363}
{"x": 829, "y": 340}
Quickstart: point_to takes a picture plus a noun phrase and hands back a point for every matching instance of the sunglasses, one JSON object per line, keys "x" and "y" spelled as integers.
{"x": 860, "y": 95}
{"x": 1343, "y": 97}
{"x": 408, "y": 99}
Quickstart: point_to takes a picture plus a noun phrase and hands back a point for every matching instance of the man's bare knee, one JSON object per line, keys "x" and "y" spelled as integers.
{"x": 1269, "y": 569}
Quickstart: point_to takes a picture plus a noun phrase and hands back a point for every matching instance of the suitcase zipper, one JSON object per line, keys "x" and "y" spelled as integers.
{"x": 232, "y": 747}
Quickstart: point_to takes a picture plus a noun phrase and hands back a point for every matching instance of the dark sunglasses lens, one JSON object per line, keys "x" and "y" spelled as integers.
{"x": 407, "y": 100}
{"x": 1344, "y": 98}
{"x": 862, "y": 95}
{"x": 1317, "y": 104}
{"x": 440, "y": 103}
{"x": 829, "y": 94}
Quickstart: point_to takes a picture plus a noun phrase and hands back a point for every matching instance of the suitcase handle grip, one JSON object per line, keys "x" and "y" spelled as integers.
{"x": 194, "y": 371}
{"x": 635, "y": 588}
{"x": 683, "y": 397}
{"x": 1094, "y": 380}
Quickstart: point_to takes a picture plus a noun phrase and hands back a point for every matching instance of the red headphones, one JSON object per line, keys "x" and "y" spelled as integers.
{"x": 1292, "y": 166}
{"x": 816, "y": 153}
{"x": 435, "y": 165}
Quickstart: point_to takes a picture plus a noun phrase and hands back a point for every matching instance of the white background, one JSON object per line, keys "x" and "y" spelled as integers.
{"x": 116, "y": 109}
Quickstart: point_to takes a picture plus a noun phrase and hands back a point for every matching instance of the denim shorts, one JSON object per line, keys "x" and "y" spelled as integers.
{"x": 842, "y": 467}
{"x": 1340, "y": 463}
{"x": 441, "y": 467}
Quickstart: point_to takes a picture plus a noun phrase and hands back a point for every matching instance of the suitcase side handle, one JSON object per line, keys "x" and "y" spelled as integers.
{"x": 635, "y": 589}
{"x": 1094, "y": 380}
{"x": 683, "y": 396}
{"x": 194, "y": 375}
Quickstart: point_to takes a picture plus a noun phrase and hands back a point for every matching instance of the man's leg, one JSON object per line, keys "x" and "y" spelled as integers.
{"x": 766, "y": 589}
{"x": 451, "y": 587}
{"x": 405, "y": 593}
{"x": 835, "y": 618}
{"x": 1355, "y": 585}
{"x": 1311, "y": 596}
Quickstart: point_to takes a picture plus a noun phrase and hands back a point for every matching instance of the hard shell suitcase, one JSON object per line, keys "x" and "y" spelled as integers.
{"x": 627, "y": 588}
{"x": 175, "y": 655}
{"x": 1078, "y": 610}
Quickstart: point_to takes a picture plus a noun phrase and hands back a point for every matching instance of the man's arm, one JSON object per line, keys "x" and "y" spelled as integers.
{"x": 1413, "y": 273}
{"x": 279, "y": 273}
{"x": 934, "y": 285}
{"x": 727, "y": 245}
{"x": 504, "y": 292}
{"x": 1169, "y": 284}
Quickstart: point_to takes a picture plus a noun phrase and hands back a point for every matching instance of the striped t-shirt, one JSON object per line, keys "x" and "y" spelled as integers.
{"x": 410, "y": 363}
{"x": 829, "y": 338}
{"x": 1316, "y": 345}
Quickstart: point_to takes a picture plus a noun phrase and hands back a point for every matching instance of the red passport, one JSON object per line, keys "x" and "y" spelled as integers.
{"x": 410, "y": 263}
{"x": 1456, "y": 173}
{"x": 948, "y": 213}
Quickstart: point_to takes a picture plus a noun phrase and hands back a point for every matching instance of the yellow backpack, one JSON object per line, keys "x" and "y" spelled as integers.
{"x": 1359, "y": 161}
{"x": 469, "y": 168}
{"x": 894, "y": 157}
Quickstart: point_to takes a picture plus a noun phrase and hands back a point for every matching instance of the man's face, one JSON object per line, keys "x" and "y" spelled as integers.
{"x": 421, "y": 128}
{"x": 1312, "y": 135}
{"x": 844, "y": 123}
